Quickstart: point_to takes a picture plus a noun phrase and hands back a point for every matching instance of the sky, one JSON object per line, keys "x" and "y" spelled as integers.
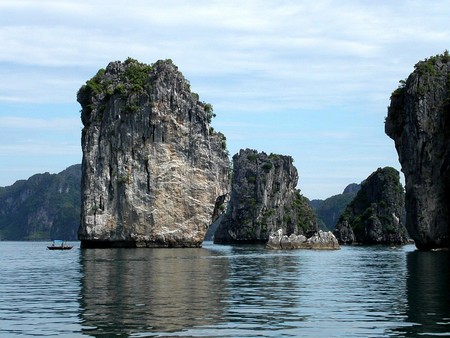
{"x": 309, "y": 79}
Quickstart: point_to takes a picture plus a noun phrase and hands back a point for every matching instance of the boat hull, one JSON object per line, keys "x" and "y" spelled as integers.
{"x": 59, "y": 247}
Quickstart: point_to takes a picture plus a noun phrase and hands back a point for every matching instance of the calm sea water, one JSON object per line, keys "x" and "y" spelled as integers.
{"x": 223, "y": 291}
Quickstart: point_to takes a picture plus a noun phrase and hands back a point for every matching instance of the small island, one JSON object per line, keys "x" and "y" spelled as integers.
{"x": 153, "y": 169}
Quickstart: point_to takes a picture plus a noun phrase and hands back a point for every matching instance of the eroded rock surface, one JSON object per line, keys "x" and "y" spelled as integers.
{"x": 263, "y": 199}
{"x": 419, "y": 122}
{"x": 152, "y": 168}
{"x": 375, "y": 214}
{"x": 322, "y": 240}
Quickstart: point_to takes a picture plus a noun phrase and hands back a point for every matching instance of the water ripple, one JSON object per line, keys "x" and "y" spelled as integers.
{"x": 223, "y": 291}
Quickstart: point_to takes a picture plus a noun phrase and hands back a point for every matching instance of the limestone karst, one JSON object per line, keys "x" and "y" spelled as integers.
{"x": 152, "y": 168}
{"x": 155, "y": 173}
{"x": 264, "y": 199}
{"x": 375, "y": 214}
{"x": 418, "y": 121}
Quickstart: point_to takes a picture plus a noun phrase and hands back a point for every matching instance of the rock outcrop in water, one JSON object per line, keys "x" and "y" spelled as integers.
{"x": 375, "y": 214}
{"x": 319, "y": 241}
{"x": 419, "y": 122}
{"x": 264, "y": 199}
{"x": 153, "y": 169}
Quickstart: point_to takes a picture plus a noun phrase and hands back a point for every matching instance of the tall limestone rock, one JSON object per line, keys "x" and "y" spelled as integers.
{"x": 264, "y": 199}
{"x": 375, "y": 214}
{"x": 418, "y": 121}
{"x": 152, "y": 167}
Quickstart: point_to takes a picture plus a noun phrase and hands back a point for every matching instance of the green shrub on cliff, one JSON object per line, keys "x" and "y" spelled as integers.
{"x": 307, "y": 220}
{"x": 136, "y": 74}
{"x": 92, "y": 88}
{"x": 400, "y": 89}
{"x": 427, "y": 66}
{"x": 267, "y": 166}
{"x": 223, "y": 140}
{"x": 94, "y": 85}
{"x": 252, "y": 157}
{"x": 209, "y": 111}
{"x": 133, "y": 79}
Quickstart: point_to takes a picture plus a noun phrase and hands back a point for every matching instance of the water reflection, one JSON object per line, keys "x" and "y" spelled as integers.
{"x": 356, "y": 292}
{"x": 246, "y": 291}
{"x": 263, "y": 290}
{"x": 127, "y": 291}
{"x": 428, "y": 293}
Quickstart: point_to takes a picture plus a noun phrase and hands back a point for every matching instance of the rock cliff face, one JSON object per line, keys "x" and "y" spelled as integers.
{"x": 419, "y": 122}
{"x": 263, "y": 200}
{"x": 153, "y": 170}
{"x": 375, "y": 214}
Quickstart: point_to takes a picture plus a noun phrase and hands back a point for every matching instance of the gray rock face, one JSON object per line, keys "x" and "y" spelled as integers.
{"x": 419, "y": 122}
{"x": 319, "y": 241}
{"x": 152, "y": 167}
{"x": 344, "y": 233}
{"x": 263, "y": 199}
{"x": 375, "y": 214}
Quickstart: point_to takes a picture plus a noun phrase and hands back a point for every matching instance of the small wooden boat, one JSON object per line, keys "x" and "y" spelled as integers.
{"x": 59, "y": 245}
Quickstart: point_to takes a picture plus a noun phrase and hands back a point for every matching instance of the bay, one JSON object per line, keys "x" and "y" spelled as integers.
{"x": 223, "y": 291}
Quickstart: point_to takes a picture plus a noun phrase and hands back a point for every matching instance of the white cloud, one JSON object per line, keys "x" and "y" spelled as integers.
{"x": 39, "y": 148}
{"x": 284, "y": 76}
{"x": 60, "y": 125}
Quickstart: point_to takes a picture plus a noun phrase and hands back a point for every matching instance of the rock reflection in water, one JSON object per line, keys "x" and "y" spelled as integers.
{"x": 144, "y": 290}
{"x": 428, "y": 287}
{"x": 263, "y": 291}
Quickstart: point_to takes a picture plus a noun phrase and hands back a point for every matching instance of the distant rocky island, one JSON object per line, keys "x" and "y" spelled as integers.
{"x": 330, "y": 209}
{"x": 375, "y": 215}
{"x": 44, "y": 207}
